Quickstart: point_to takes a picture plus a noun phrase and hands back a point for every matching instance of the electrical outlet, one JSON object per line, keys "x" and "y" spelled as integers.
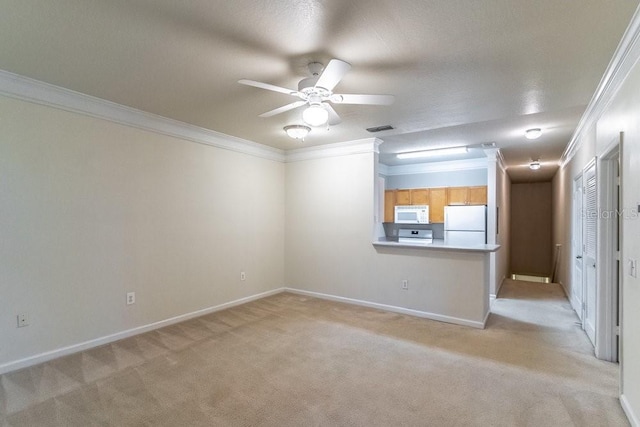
{"x": 405, "y": 284}
{"x": 243, "y": 276}
{"x": 23, "y": 320}
{"x": 131, "y": 298}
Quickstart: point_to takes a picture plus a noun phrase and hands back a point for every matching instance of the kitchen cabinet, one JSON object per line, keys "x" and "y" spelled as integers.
{"x": 420, "y": 196}
{"x": 403, "y": 197}
{"x": 389, "y": 205}
{"x": 392, "y": 198}
{"x": 436, "y": 198}
{"x": 437, "y": 201}
{"x": 477, "y": 195}
{"x": 467, "y": 195}
{"x": 457, "y": 195}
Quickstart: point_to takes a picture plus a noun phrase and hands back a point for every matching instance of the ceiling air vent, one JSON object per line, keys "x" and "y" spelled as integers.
{"x": 380, "y": 128}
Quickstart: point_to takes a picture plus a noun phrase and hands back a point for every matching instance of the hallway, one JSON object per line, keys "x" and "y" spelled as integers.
{"x": 544, "y": 335}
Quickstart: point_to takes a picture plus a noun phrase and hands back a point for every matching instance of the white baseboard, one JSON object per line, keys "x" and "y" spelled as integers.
{"x": 53, "y": 354}
{"x": 486, "y": 318}
{"x": 628, "y": 411}
{"x": 501, "y": 283}
{"x": 564, "y": 289}
{"x": 395, "y": 309}
{"x": 575, "y": 304}
{"x": 492, "y": 297}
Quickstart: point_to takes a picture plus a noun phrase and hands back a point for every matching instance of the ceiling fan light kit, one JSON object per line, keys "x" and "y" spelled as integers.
{"x": 533, "y": 133}
{"x": 433, "y": 153}
{"x": 317, "y": 93}
{"x": 297, "y": 131}
{"x": 315, "y": 115}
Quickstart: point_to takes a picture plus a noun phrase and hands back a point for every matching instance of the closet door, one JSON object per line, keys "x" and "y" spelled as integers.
{"x": 589, "y": 225}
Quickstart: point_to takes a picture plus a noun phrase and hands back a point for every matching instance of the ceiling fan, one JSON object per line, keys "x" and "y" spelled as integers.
{"x": 317, "y": 92}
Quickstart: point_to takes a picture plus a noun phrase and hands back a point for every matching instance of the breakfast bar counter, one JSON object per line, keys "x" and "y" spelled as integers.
{"x": 437, "y": 280}
{"x": 435, "y": 244}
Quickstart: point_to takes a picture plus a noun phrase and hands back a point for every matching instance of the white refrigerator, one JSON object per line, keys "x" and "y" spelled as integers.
{"x": 465, "y": 225}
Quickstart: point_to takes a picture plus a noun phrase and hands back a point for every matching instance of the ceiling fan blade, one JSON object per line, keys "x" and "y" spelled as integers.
{"x": 283, "y": 109}
{"x": 363, "y": 99}
{"x": 332, "y": 74}
{"x": 334, "y": 118}
{"x": 267, "y": 86}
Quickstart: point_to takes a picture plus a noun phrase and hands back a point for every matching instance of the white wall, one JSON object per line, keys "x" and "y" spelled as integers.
{"x": 329, "y": 247}
{"x": 503, "y": 196}
{"x": 90, "y": 209}
{"x": 561, "y": 205}
{"x": 460, "y": 178}
{"x": 620, "y": 115}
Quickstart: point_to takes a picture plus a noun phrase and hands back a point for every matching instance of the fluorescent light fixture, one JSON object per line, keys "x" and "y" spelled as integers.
{"x": 535, "y": 165}
{"x": 533, "y": 133}
{"x": 433, "y": 153}
{"x": 315, "y": 115}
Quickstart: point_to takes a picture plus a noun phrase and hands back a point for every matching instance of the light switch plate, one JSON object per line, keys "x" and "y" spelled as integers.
{"x": 633, "y": 267}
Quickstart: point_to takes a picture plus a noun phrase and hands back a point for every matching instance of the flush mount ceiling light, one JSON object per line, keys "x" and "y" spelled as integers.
{"x": 535, "y": 165}
{"x": 297, "y": 131}
{"x": 433, "y": 153}
{"x": 315, "y": 115}
{"x": 533, "y": 133}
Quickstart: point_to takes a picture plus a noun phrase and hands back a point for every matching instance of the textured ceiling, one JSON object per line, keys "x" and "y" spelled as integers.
{"x": 463, "y": 72}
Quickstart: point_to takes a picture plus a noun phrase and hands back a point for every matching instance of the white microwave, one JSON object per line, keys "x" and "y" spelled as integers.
{"x": 411, "y": 214}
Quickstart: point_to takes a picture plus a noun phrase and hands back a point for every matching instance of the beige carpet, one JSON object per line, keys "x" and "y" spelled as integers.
{"x": 289, "y": 360}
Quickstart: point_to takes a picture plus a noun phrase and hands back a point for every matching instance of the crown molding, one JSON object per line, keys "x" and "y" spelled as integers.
{"x": 383, "y": 169}
{"x": 501, "y": 162}
{"x": 37, "y": 92}
{"x": 448, "y": 166}
{"x": 34, "y": 91}
{"x": 359, "y": 146}
{"x": 495, "y": 155}
{"x": 625, "y": 57}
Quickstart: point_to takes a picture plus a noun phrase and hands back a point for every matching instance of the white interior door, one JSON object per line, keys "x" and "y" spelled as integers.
{"x": 608, "y": 254}
{"x": 589, "y": 253}
{"x": 577, "y": 283}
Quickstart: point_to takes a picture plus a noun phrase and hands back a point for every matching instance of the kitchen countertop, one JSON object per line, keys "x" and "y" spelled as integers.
{"x": 437, "y": 244}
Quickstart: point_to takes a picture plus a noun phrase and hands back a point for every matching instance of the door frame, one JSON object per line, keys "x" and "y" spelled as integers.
{"x": 590, "y": 312}
{"x": 577, "y": 247}
{"x": 608, "y": 274}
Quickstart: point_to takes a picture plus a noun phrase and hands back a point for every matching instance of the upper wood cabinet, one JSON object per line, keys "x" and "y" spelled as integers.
{"x": 467, "y": 195}
{"x": 420, "y": 196}
{"x": 389, "y": 205}
{"x": 457, "y": 195}
{"x": 437, "y": 202}
{"x": 392, "y": 198}
{"x": 436, "y": 198}
{"x": 403, "y": 197}
{"x": 477, "y": 195}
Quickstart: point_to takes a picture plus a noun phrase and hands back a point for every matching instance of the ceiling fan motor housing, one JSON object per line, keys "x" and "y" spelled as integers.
{"x": 307, "y": 84}
{"x": 308, "y": 87}
{"x": 315, "y": 68}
